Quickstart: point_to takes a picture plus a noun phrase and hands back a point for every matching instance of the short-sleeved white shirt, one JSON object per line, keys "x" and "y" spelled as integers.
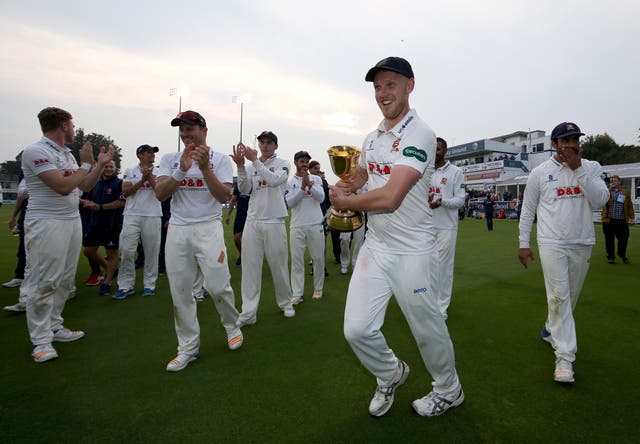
{"x": 143, "y": 202}
{"x": 192, "y": 202}
{"x": 409, "y": 228}
{"x": 44, "y": 202}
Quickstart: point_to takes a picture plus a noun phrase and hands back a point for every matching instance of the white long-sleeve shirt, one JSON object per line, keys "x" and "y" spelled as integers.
{"x": 305, "y": 203}
{"x": 266, "y": 183}
{"x": 447, "y": 183}
{"x": 562, "y": 199}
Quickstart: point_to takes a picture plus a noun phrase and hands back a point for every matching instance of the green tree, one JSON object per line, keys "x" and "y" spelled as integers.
{"x": 10, "y": 170}
{"x": 605, "y": 150}
{"x": 97, "y": 141}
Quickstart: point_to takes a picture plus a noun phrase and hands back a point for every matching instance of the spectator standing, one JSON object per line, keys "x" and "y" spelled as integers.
{"x": 106, "y": 203}
{"x": 488, "y": 211}
{"x": 617, "y": 214}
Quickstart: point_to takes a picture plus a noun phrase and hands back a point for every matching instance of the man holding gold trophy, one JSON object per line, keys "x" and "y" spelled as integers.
{"x": 398, "y": 256}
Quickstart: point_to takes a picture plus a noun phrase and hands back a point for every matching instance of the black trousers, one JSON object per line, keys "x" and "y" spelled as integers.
{"x": 617, "y": 228}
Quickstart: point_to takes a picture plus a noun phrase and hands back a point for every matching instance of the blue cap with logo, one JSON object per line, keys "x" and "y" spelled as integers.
{"x": 565, "y": 129}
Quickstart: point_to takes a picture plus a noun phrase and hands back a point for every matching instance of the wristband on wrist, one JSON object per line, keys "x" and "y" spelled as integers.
{"x": 85, "y": 166}
{"x": 179, "y": 175}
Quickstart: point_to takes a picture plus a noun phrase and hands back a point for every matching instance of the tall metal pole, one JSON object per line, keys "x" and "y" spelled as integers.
{"x": 241, "y": 112}
{"x": 179, "y": 111}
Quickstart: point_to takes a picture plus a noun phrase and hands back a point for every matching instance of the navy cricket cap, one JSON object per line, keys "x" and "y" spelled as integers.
{"x": 395, "y": 64}
{"x": 190, "y": 117}
{"x": 268, "y": 135}
{"x": 565, "y": 129}
{"x": 142, "y": 148}
{"x": 300, "y": 154}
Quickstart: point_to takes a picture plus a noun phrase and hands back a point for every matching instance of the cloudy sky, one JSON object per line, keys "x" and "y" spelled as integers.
{"x": 483, "y": 68}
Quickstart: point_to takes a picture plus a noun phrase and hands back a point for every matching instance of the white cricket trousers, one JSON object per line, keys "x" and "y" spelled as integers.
{"x": 200, "y": 244}
{"x": 261, "y": 239}
{"x": 565, "y": 268}
{"x": 147, "y": 229}
{"x": 411, "y": 280}
{"x": 446, "y": 248}
{"x": 311, "y": 237}
{"x": 52, "y": 249}
{"x": 345, "y": 250}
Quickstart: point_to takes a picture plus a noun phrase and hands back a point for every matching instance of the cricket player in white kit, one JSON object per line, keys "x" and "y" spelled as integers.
{"x": 304, "y": 196}
{"x": 265, "y": 233}
{"x": 53, "y": 233}
{"x": 562, "y": 192}
{"x": 446, "y": 194}
{"x": 142, "y": 221}
{"x": 199, "y": 181}
{"x": 398, "y": 256}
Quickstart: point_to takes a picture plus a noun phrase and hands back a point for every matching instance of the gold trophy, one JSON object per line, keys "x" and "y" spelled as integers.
{"x": 344, "y": 162}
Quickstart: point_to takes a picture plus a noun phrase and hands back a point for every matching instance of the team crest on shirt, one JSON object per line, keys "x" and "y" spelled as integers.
{"x": 443, "y": 181}
{"x": 108, "y": 191}
{"x": 394, "y": 147}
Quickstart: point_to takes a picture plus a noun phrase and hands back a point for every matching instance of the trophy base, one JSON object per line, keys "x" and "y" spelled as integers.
{"x": 344, "y": 221}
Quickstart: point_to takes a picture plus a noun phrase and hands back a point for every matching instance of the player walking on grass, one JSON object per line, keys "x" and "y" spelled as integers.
{"x": 398, "y": 256}
{"x": 562, "y": 192}
{"x": 53, "y": 232}
{"x": 199, "y": 181}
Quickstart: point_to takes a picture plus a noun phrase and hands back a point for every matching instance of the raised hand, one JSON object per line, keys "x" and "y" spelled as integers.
{"x": 238, "y": 154}
{"x": 186, "y": 160}
{"x": 201, "y": 156}
{"x": 86, "y": 153}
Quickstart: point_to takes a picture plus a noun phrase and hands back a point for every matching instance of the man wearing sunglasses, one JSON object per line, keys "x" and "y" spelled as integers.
{"x": 199, "y": 182}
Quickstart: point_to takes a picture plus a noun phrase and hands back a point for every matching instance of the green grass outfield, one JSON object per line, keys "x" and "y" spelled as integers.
{"x": 297, "y": 381}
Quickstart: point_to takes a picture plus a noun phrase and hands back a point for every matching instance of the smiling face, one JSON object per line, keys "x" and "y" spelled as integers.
{"x": 109, "y": 170}
{"x": 147, "y": 157}
{"x": 193, "y": 134}
{"x": 392, "y": 95}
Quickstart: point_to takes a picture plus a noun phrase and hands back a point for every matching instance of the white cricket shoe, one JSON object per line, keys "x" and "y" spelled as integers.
{"x": 17, "y": 308}
{"x": 15, "y": 282}
{"x": 181, "y": 361}
{"x": 383, "y": 397}
{"x": 434, "y": 404}
{"x": 289, "y": 312}
{"x": 563, "y": 372}
{"x": 317, "y": 294}
{"x": 44, "y": 353}
{"x": 66, "y": 335}
{"x": 234, "y": 339}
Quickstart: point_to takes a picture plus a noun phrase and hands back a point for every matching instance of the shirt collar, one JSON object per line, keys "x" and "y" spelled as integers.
{"x": 401, "y": 126}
